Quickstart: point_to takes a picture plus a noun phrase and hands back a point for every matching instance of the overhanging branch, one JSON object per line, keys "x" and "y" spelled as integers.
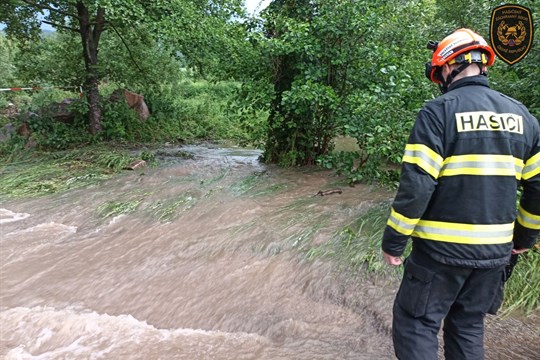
{"x": 60, "y": 26}
{"x": 50, "y": 8}
{"x": 131, "y": 54}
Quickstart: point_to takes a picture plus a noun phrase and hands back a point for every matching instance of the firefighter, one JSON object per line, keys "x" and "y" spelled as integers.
{"x": 467, "y": 153}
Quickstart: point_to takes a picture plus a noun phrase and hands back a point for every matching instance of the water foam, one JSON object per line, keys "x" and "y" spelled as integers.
{"x": 44, "y": 332}
{"x": 7, "y": 216}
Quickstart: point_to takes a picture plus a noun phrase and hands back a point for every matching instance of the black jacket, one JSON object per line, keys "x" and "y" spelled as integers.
{"x": 467, "y": 153}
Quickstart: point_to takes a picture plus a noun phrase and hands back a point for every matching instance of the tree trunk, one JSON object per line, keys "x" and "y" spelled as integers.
{"x": 287, "y": 135}
{"x": 90, "y": 33}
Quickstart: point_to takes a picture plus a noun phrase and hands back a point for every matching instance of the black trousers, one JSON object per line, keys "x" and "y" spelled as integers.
{"x": 431, "y": 292}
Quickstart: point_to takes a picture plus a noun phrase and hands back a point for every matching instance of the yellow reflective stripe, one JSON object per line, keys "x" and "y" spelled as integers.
{"x": 424, "y": 157}
{"x": 532, "y": 167}
{"x": 464, "y": 233}
{"x": 478, "y": 164}
{"x": 528, "y": 220}
{"x": 400, "y": 223}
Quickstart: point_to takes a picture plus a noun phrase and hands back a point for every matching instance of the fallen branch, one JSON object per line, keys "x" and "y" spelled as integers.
{"x": 328, "y": 192}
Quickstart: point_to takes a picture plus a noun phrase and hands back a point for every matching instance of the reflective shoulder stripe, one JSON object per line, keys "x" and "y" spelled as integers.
{"x": 400, "y": 223}
{"x": 532, "y": 167}
{"x": 464, "y": 233}
{"x": 479, "y": 164}
{"x": 424, "y": 157}
{"x": 528, "y": 220}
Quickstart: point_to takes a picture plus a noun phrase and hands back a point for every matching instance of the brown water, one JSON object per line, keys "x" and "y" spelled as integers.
{"x": 207, "y": 266}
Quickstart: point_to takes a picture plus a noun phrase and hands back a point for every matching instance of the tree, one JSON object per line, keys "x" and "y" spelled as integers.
{"x": 86, "y": 20}
{"x": 314, "y": 47}
{"x": 7, "y": 75}
{"x": 168, "y": 20}
{"x": 338, "y": 67}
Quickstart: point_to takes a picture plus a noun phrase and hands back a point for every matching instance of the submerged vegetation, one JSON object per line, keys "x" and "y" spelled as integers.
{"x": 357, "y": 246}
{"x": 34, "y": 174}
{"x": 288, "y": 82}
{"x": 354, "y": 248}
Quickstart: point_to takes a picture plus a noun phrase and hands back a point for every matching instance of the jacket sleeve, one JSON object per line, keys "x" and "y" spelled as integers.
{"x": 421, "y": 164}
{"x": 527, "y": 226}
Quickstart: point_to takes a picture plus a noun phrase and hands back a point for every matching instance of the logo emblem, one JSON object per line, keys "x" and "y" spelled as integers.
{"x": 511, "y": 32}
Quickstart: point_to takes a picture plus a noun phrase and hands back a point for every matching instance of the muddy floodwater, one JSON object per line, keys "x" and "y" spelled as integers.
{"x": 202, "y": 257}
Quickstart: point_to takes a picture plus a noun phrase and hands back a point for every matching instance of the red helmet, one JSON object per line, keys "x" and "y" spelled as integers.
{"x": 462, "y": 42}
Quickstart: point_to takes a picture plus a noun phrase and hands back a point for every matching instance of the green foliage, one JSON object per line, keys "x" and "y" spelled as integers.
{"x": 46, "y": 131}
{"x": 345, "y": 163}
{"x": 41, "y": 99}
{"x": 201, "y": 110}
{"x": 204, "y": 47}
{"x": 12, "y": 148}
{"x": 180, "y": 107}
{"x": 314, "y": 47}
{"x": 342, "y": 68}
{"x": 52, "y": 61}
{"x": 465, "y": 13}
{"x": 357, "y": 246}
{"x": 248, "y": 111}
{"x": 118, "y": 119}
{"x": 521, "y": 290}
{"x": 8, "y": 76}
{"x": 169, "y": 23}
{"x": 26, "y": 173}
{"x": 7, "y": 54}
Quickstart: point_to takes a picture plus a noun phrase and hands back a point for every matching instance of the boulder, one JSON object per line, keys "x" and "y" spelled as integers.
{"x": 134, "y": 101}
{"x": 24, "y": 130}
{"x": 59, "y": 111}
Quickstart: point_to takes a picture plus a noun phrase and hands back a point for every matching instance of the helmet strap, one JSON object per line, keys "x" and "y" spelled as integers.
{"x": 482, "y": 72}
{"x": 446, "y": 82}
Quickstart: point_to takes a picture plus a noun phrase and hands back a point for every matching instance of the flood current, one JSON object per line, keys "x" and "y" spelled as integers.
{"x": 201, "y": 257}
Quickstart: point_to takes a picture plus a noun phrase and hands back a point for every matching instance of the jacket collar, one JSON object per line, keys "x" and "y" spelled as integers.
{"x": 469, "y": 80}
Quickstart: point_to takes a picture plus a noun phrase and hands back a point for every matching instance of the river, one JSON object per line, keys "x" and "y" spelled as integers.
{"x": 199, "y": 258}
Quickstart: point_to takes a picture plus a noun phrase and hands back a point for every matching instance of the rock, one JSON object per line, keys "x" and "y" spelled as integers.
{"x": 6, "y": 132}
{"x": 23, "y": 130}
{"x": 60, "y": 111}
{"x": 134, "y": 101}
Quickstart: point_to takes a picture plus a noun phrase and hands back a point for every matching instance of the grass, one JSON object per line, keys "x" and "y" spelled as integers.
{"x": 167, "y": 210}
{"x": 116, "y": 208}
{"x": 36, "y": 174}
{"x": 522, "y": 291}
{"x": 357, "y": 246}
{"x": 249, "y": 183}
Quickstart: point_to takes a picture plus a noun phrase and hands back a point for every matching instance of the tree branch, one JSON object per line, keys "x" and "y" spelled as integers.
{"x": 99, "y": 26}
{"x": 50, "y": 8}
{"x": 131, "y": 54}
{"x": 60, "y": 26}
